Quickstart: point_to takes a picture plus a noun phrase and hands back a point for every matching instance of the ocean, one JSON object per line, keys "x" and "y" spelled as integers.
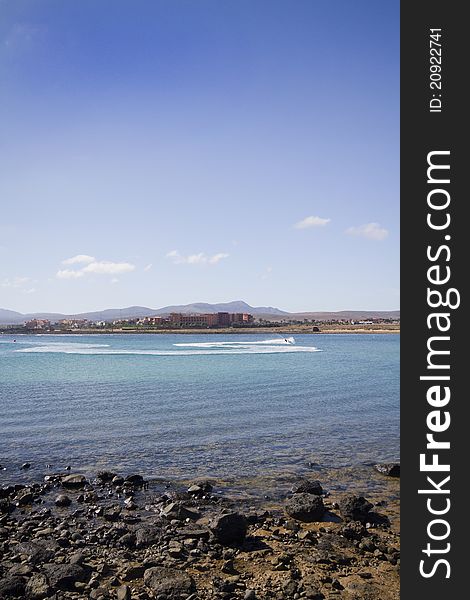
{"x": 184, "y": 406}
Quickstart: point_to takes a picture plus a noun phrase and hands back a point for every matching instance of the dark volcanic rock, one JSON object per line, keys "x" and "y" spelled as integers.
{"x": 229, "y": 528}
{"x": 12, "y": 587}
{"x": 24, "y": 497}
{"x": 147, "y": 535}
{"x": 63, "y": 577}
{"x": 39, "y": 552}
{"x": 389, "y": 469}
{"x": 306, "y": 486}
{"x": 74, "y": 481}
{"x": 177, "y": 510}
{"x": 355, "y": 508}
{"x": 105, "y": 476}
{"x": 169, "y": 583}
{"x": 305, "y": 507}
{"x": 37, "y": 587}
{"x": 62, "y": 500}
{"x": 135, "y": 480}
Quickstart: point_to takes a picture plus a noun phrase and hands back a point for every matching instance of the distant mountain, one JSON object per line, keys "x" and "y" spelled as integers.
{"x": 11, "y": 317}
{"x": 237, "y": 306}
{"x": 354, "y": 315}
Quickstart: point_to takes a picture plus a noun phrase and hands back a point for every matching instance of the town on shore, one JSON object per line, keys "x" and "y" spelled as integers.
{"x": 219, "y": 322}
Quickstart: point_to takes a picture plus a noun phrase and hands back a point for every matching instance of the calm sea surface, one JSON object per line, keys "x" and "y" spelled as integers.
{"x": 193, "y": 405}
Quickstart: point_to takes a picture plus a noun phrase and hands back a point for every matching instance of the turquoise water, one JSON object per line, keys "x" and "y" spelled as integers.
{"x": 193, "y": 405}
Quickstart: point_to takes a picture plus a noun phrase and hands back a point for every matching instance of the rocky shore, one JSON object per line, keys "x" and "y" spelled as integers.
{"x": 119, "y": 537}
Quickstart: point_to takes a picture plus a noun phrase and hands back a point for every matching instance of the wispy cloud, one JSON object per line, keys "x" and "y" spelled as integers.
{"x": 148, "y": 267}
{"x": 267, "y": 273}
{"x": 311, "y": 221}
{"x": 196, "y": 259}
{"x": 370, "y": 231}
{"x": 92, "y": 267}
{"x": 79, "y": 259}
{"x": 15, "y": 282}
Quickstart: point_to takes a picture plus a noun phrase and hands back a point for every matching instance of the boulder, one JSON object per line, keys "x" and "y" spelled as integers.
{"x": 137, "y": 480}
{"x": 24, "y": 497}
{"x": 37, "y": 587}
{"x": 176, "y": 510}
{"x": 74, "y": 481}
{"x": 12, "y": 587}
{"x": 62, "y": 500}
{"x": 355, "y": 508}
{"x": 305, "y": 507}
{"x": 229, "y": 528}
{"x": 148, "y": 535}
{"x": 307, "y": 486}
{"x": 63, "y": 577}
{"x": 38, "y": 552}
{"x": 388, "y": 469}
{"x": 169, "y": 583}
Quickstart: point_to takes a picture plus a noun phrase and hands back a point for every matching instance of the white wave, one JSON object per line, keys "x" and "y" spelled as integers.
{"x": 97, "y": 350}
{"x": 235, "y": 344}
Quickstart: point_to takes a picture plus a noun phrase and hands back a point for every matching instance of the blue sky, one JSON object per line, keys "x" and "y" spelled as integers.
{"x": 175, "y": 151}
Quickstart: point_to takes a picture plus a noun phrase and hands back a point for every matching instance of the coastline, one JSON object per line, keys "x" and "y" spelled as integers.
{"x": 281, "y": 330}
{"x": 116, "y": 536}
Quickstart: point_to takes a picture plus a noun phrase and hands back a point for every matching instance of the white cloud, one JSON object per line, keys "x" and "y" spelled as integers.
{"x": 105, "y": 267}
{"x": 370, "y": 231}
{"x": 114, "y": 280}
{"x": 68, "y": 274}
{"x": 79, "y": 259}
{"x": 148, "y": 267}
{"x": 213, "y": 260}
{"x": 93, "y": 267}
{"x": 311, "y": 222}
{"x": 30, "y": 291}
{"x": 196, "y": 259}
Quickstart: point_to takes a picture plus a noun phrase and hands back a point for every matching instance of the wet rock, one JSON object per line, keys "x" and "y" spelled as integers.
{"x": 229, "y": 528}
{"x": 305, "y": 507}
{"x": 388, "y": 469}
{"x": 112, "y": 514}
{"x": 355, "y": 508}
{"x": 24, "y": 497}
{"x": 198, "y": 488}
{"x": 62, "y": 500}
{"x": 307, "y": 486}
{"x": 12, "y": 587}
{"x": 176, "y": 510}
{"x": 74, "y": 481}
{"x": 37, "y": 587}
{"x": 105, "y": 476}
{"x": 136, "y": 480}
{"x": 169, "y": 583}
{"x": 117, "y": 480}
{"x": 63, "y": 577}
{"x": 25, "y": 466}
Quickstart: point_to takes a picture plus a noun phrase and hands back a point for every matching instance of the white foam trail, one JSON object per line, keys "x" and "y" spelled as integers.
{"x": 96, "y": 350}
{"x": 234, "y": 344}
